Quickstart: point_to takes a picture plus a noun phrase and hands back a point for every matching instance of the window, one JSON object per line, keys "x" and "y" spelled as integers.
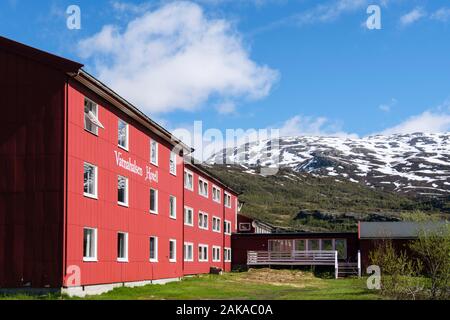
{"x": 202, "y": 252}
{"x": 154, "y": 201}
{"x": 216, "y": 224}
{"x": 327, "y": 244}
{"x": 216, "y": 254}
{"x": 188, "y": 216}
{"x": 123, "y": 134}
{"x": 188, "y": 180}
{"x": 122, "y": 191}
{"x": 227, "y": 227}
{"x": 173, "y": 207}
{"x": 188, "y": 251}
{"x": 227, "y": 200}
{"x": 91, "y": 122}
{"x": 89, "y": 244}
{"x": 173, "y": 163}
{"x": 154, "y": 152}
{"x": 227, "y": 255}
{"x": 90, "y": 180}
{"x": 172, "y": 250}
{"x": 341, "y": 248}
{"x": 313, "y": 244}
{"x": 216, "y": 194}
{"x": 122, "y": 247}
{"x": 244, "y": 226}
{"x": 202, "y": 187}
{"x": 203, "y": 220}
{"x": 300, "y": 245}
{"x": 280, "y": 245}
{"x": 153, "y": 249}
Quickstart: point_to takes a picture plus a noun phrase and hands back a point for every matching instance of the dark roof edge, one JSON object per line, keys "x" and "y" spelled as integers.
{"x": 111, "y": 96}
{"x": 38, "y": 55}
{"x": 295, "y": 234}
{"x": 199, "y": 167}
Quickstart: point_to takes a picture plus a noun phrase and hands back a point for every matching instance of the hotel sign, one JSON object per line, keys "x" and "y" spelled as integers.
{"x": 133, "y": 167}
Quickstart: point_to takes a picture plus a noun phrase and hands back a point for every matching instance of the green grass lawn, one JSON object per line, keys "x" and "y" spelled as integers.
{"x": 255, "y": 284}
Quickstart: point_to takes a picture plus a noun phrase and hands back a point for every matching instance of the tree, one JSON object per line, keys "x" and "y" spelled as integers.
{"x": 433, "y": 250}
{"x": 399, "y": 273}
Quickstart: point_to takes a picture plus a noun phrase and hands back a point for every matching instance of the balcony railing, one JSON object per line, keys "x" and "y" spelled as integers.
{"x": 316, "y": 257}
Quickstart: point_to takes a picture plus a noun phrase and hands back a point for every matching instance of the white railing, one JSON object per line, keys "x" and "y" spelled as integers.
{"x": 313, "y": 257}
{"x": 359, "y": 264}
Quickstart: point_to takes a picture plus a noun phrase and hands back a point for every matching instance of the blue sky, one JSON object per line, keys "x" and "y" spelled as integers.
{"x": 308, "y": 67}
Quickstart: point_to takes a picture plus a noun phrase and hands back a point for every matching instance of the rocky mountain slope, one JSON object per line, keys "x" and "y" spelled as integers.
{"x": 417, "y": 164}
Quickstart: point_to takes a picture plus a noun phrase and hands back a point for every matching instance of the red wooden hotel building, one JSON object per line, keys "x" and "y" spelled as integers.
{"x": 93, "y": 193}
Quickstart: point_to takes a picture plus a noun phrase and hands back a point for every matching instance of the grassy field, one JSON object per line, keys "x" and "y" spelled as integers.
{"x": 252, "y": 285}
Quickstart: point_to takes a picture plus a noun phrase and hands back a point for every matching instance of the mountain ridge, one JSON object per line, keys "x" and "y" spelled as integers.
{"x": 417, "y": 164}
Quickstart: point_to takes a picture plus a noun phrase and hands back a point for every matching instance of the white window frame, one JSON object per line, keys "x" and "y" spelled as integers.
{"x": 202, "y": 181}
{"x": 173, "y": 158}
{"x": 95, "y": 257}
{"x": 89, "y": 195}
{"x": 190, "y": 173}
{"x": 204, "y": 215}
{"x": 216, "y": 250}
{"x": 227, "y": 254}
{"x": 155, "y": 211}
{"x": 155, "y": 162}
{"x": 191, "y": 245}
{"x": 192, "y": 215}
{"x": 226, "y": 197}
{"x": 218, "y": 192}
{"x": 227, "y": 227}
{"x": 120, "y": 203}
{"x": 95, "y": 132}
{"x": 126, "y": 146}
{"x": 173, "y": 215}
{"x": 201, "y": 257}
{"x": 124, "y": 259}
{"x": 175, "y": 250}
{"x": 218, "y": 223}
{"x": 156, "y": 249}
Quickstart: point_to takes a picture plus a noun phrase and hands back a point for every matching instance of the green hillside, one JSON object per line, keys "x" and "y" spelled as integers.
{"x": 300, "y": 201}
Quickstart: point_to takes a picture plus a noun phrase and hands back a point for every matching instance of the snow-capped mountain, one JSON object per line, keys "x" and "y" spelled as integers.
{"x": 416, "y": 163}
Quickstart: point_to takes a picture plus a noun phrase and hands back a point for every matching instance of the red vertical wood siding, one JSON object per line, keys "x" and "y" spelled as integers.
{"x": 31, "y": 169}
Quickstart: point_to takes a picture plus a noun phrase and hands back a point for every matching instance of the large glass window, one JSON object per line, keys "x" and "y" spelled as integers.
{"x": 188, "y": 180}
{"x": 172, "y": 250}
{"x": 89, "y": 244}
{"x": 123, "y": 134}
{"x": 327, "y": 244}
{"x": 122, "y": 190}
{"x": 280, "y": 245}
{"x": 91, "y": 122}
{"x": 313, "y": 244}
{"x": 154, "y": 201}
{"x": 341, "y": 247}
{"x": 188, "y": 251}
{"x": 153, "y": 249}
{"x": 154, "y": 152}
{"x": 122, "y": 246}
{"x": 188, "y": 216}
{"x": 216, "y": 224}
{"x": 90, "y": 180}
{"x": 300, "y": 245}
{"x": 203, "y": 220}
{"x": 173, "y": 163}
{"x": 173, "y": 207}
{"x": 203, "y": 187}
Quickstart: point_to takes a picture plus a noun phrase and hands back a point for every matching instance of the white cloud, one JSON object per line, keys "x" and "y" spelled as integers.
{"x": 176, "y": 57}
{"x": 386, "y": 107}
{"x": 428, "y": 121}
{"x": 310, "y": 126}
{"x": 443, "y": 15}
{"x": 226, "y": 107}
{"x": 413, "y": 16}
